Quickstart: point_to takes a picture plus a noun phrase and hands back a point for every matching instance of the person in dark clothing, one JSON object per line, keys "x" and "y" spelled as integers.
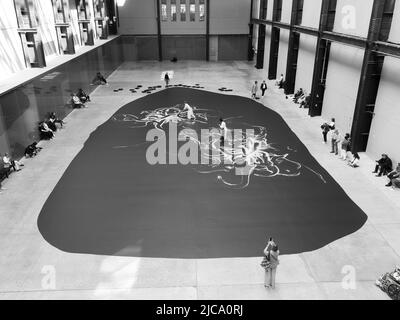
{"x": 383, "y": 166}
{"x": 51, "y": 124}
{"x": 281, "y": 82}
{"x": 298, "y": 95}
{"x": 306, "y": 102}
{"x": 393, "y": 175}
{"x": 264, "y": 88}
{"x": 54, "y": 119}
{"x": 45, "y": 132}
{"x": 83, "y": 96}
{"x": 166, "y": 79}
{"x": 99, "y": 79}
{"x": 32, "y": 150}
{"x": 325, "y": 129}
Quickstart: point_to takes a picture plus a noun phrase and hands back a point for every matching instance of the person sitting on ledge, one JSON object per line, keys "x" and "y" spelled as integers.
{"x": 45, "y": 132}
{"x": 55, "y": 120}
{"x": 83, "y": 96}
{"x": 298, "y": 95}
{"x": 32, "y": 150}
{"x": 356, "y": 160}
{"x": 383, "y": 166}
{"x": 99, "y": 79}
{"x": 280, "y": 83}
{"x": 76, "y": 102}
{"x": 305, "y": 101}
{"x": 393, "y": 175}
{"x": 10, "y": 163}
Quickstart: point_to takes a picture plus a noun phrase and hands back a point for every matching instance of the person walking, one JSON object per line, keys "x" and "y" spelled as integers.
{"x": 254, "y": 90}
{"x": 264, "y": 88}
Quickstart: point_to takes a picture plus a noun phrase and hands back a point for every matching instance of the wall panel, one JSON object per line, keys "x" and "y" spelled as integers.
{"x": 342, "y": 84}
{"x": 305, "y": 62}
{"x": 395, "y": 30}
{"x": 229, "y": 16}
{"x": 286, "y": 10}
{"x": 232, "y": 47}
{"x": 385, "y": 129}
{"x": 311, "y": 13}
{"x": 353, "y": 16}
{"x": 283, "y": 52}
{"x": 267, "y": 49}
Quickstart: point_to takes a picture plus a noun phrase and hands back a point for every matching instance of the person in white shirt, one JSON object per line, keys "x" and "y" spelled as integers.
{"x": 189, "y": 111}
{"x": 76, "y": 102}
{"x": 254, "y": 90}
{"x": 224, "y": 129}
{"x": 9, "y": 163}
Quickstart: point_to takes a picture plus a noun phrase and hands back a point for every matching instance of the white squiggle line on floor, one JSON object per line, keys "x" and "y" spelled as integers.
{"x": 261, "y": 157}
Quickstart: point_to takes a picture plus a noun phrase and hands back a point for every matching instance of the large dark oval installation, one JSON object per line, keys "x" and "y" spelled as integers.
{"x": 216, "y": 193}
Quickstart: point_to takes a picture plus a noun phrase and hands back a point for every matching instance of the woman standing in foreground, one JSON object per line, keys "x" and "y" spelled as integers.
{"x": 270, "y": 263}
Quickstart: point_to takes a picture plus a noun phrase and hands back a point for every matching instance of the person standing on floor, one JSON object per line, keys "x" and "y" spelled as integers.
{"x": 264, "y": 88}
{"x": 267, "y": 261}
{"x": 335, "y": 141}
{"x": 166, "y": 79}
{"x": 273, "y": 265}
{"x": 345, "y": 146}
{"x": 325, "y": 129}
{"x": 254, "y": 90}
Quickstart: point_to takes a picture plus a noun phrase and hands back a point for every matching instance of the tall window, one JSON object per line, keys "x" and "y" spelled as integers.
{"x": 164, "y": 10}
{"x": 202, "y": 10}
{"x": 183, "y": 10}
{"x": 173, "y": 10}
{"x": 192, "y": 10}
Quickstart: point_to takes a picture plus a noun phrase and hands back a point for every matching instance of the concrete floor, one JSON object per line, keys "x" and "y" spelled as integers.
{"x": 30, "y": 268}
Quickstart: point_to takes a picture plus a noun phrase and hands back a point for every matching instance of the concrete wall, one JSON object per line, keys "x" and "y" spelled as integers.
{"x": 138, "y": 17}
{"x": 270, "y": 9}
{"x": 232, "y": 47}
{"x": 385, "y": 133}
{"x": 353, "y": 16}
{"x": 305, "y": 62}
{"x": 267, "y": 49}
{"x": 283, "y": 53}
{"x": 286, "y": 10}
{"x": 308, "y": 44}
{"x": 395, "y": 30}
{"x": 385, "y": 130}
{"x": 311, "y": 12}
{"x": 229, "y": 16}
{"x": 342, "y": 84}
{"x": 256, "y": 9}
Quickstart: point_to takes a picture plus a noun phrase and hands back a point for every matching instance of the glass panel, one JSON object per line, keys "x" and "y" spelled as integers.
{"x": 173, "y": 10}
{"x": 183, "y": 10}
{"x": 164, "y": 10}
{"x": 23, "y": 108}
{"x": 202, "y": 10}
{"x": 192, "y": 10}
